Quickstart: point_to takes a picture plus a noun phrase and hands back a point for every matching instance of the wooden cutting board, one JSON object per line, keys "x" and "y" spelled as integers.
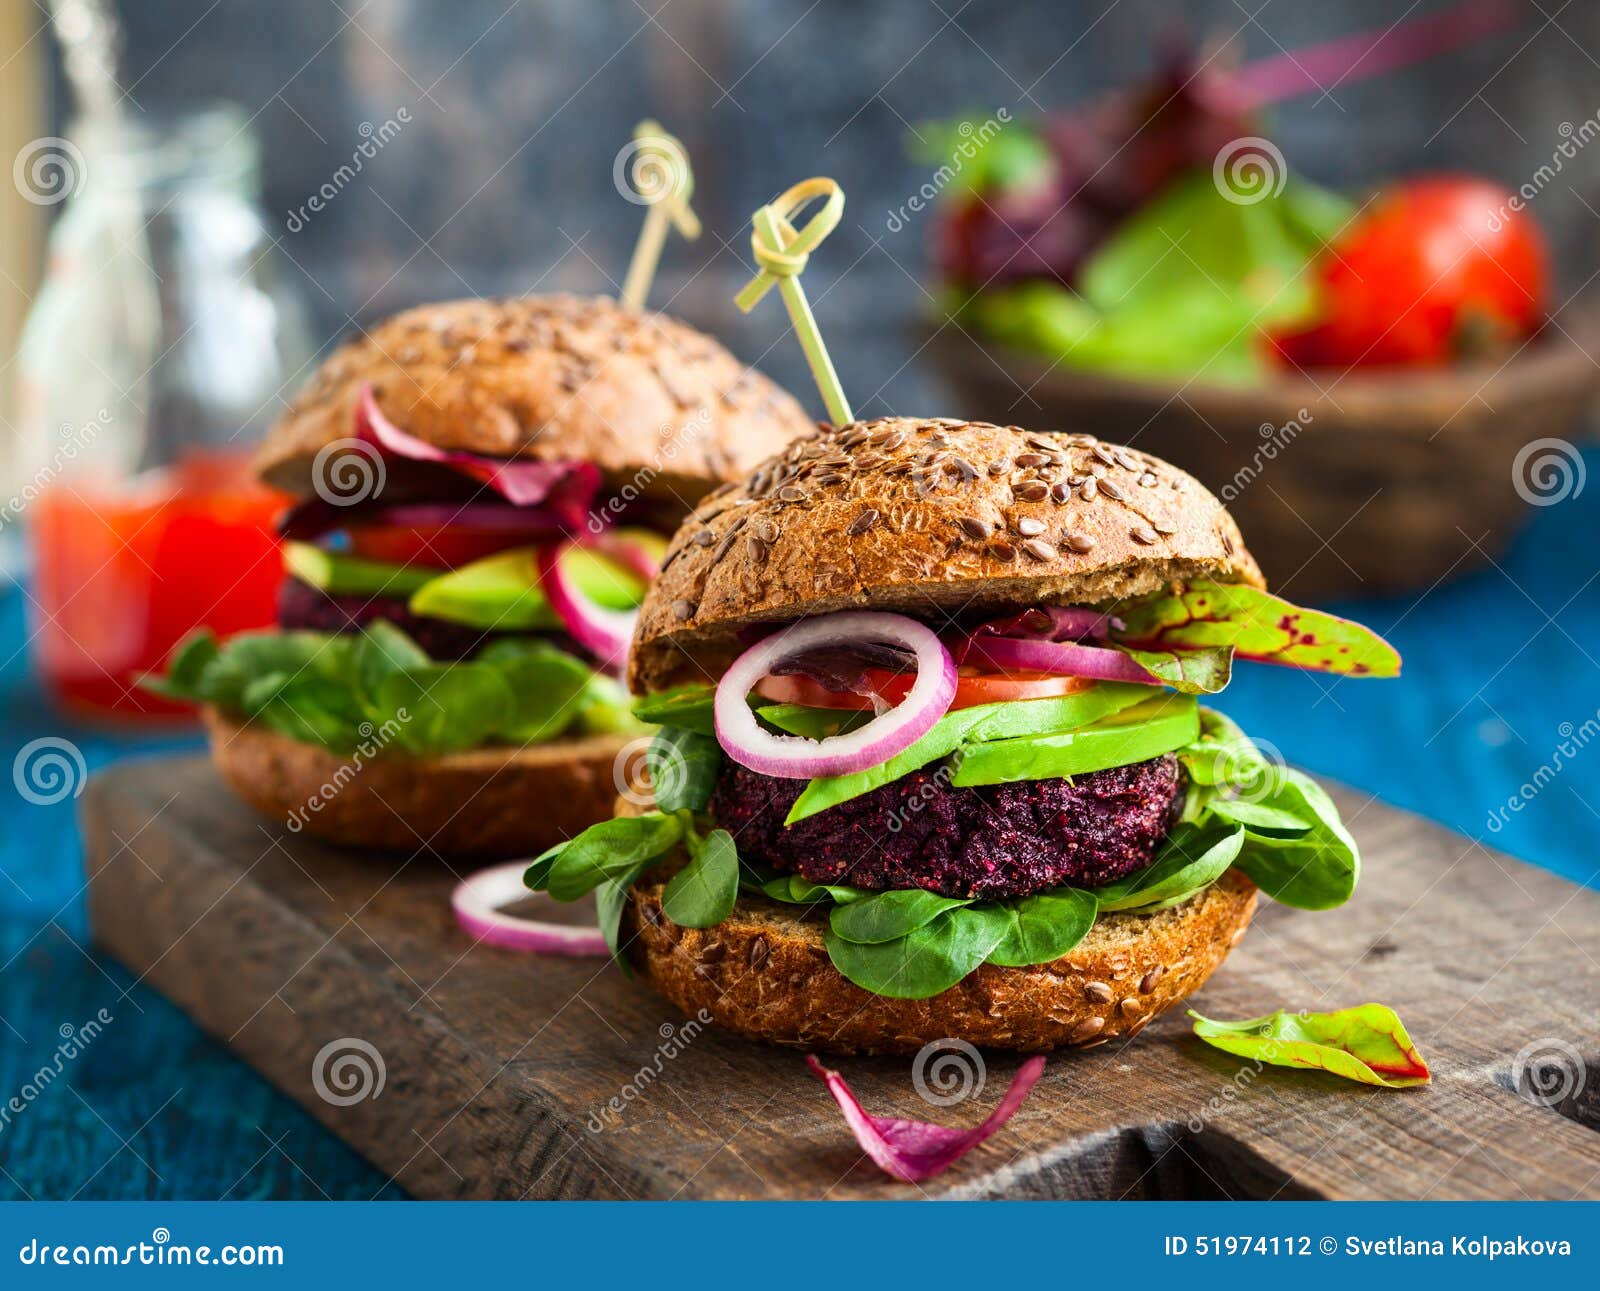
{"x": 498, "y": 1068}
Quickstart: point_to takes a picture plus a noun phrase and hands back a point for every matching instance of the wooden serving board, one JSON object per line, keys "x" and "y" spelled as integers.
{"x": 498, "y": 1067}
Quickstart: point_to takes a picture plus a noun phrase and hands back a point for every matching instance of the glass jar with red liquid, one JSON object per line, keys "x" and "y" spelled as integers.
{"x": 158, "y": 349}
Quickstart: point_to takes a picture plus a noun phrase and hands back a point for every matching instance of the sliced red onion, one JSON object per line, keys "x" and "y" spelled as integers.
{"x": 1053, "y": 623}
{"x": 794, "y": 757}
{"x": 523, "y": 482}
{"x": 604, "y": 633}
{"x": 477, "y": 904}
{"x": 1068, "y": 658}
{"x": 310, "y": 519}
{"x": 915, "y": 1150}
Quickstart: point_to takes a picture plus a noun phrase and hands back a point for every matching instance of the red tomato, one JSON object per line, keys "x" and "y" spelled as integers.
{"x": 1434, "y": 269}
{"x": 971, "y": 689}
{"x": 435, "y": 548}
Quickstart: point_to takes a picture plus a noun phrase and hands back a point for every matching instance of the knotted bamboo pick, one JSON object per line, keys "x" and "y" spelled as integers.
{"x": 657, "y": 176}
{"x": 782, "y": 252}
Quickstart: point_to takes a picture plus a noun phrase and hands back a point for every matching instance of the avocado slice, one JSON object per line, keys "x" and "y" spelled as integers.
{"x": 502, "y": 591}
{"x": 1146, "y": 730}
{"x": 341, "y": 575}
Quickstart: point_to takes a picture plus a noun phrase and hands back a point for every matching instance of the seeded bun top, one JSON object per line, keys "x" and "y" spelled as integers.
{"x": 647, "y": 399}
{"x": 931, "y": 517}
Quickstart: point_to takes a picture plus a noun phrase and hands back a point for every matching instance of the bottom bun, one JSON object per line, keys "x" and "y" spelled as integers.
{"x": 486, "y": 803}
{"x": 764, "y": 972}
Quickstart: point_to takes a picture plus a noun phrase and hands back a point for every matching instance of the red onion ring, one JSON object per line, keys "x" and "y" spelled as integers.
{"x": 794, "y": 757}
{"x": 477, "y": 901}
{"x": 524, "y": 482}
{"x": 1066, "y": 657}
{"x": 606, "y": 634}
{"x": 308, "y": 520}
{"x": 1053, "y": 623}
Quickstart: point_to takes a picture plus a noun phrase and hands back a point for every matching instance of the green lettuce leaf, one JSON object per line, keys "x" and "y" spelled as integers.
{"x": 1257, "y": 626}
{"x": 1189, "y": 672}
{"x": 1367, "y": 1043}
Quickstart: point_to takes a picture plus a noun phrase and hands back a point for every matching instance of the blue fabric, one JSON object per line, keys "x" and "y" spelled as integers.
{"x": 1500, "y": 670}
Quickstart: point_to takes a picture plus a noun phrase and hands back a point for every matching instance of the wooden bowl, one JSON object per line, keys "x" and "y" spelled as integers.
{"x": 1343, "y": 482}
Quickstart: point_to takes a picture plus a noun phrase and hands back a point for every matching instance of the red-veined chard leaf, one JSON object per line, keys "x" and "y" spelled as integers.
{"x": 1203, "y": 671}
{"x": 1258, "y": 626}
{"x": 1367, "y": 1043}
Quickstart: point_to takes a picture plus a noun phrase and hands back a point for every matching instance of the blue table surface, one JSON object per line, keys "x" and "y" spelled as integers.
{"x": 1501, "y": 675}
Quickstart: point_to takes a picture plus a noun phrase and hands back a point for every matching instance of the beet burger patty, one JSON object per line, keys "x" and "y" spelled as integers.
{"x": 997, "y": 841}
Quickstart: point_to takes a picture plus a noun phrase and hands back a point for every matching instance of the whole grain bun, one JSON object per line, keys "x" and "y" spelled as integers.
{"x": 560, "y": 378}
{"x": 929, "y": 517}
{"x": 485, "y": 803}
{"x": 764, "y": 972}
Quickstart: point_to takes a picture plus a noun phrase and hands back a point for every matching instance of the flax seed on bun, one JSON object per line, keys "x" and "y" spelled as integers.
{"x": 764, "y": 972}
{"x": 485, "y": 803}
{"x": 559, "y": 378}
{"x": 926, "y": 516}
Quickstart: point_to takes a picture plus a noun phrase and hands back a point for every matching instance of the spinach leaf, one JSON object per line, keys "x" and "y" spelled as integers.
{"x": 1258, "y": 626}
{"x": 605, "y": 709}
{"x": 813, "y": 723}
{"x": 186, "y": 666}
{"x": 1042, "y": 928}
{"x": 547, "y": 685}
{"x": 1313, "y": 870}
{"x": 382, "y": 649}
{"x": 1191, "y": 859}
{"x": 308, "y": 708}
{"x": 609, "y": 850}
{"x": 925, "y": 962}
{"x": 252, "y": 655}
{"x": 886, "y": 916}
{"x": 1368, "y": 1043}
{"x": 794, "y": 890}
{"x": 1259, "y": 816}
{"x": 983, "y": 722}
{"x": 683, "y": 766}
{"x": 610, "y": 899}
{"x": 689, "y": 706}
{"x": 444, "y": 708}
{"x": 702, "y": 893}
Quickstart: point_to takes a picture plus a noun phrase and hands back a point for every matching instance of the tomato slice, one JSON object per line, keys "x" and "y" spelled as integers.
{"x": 972, "y": 688}
{"x": 432, "y": 547}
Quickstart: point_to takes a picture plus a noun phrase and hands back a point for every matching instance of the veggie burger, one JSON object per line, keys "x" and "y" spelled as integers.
{"x": 486, "y": 490}
{"x": 932, "y": 759}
